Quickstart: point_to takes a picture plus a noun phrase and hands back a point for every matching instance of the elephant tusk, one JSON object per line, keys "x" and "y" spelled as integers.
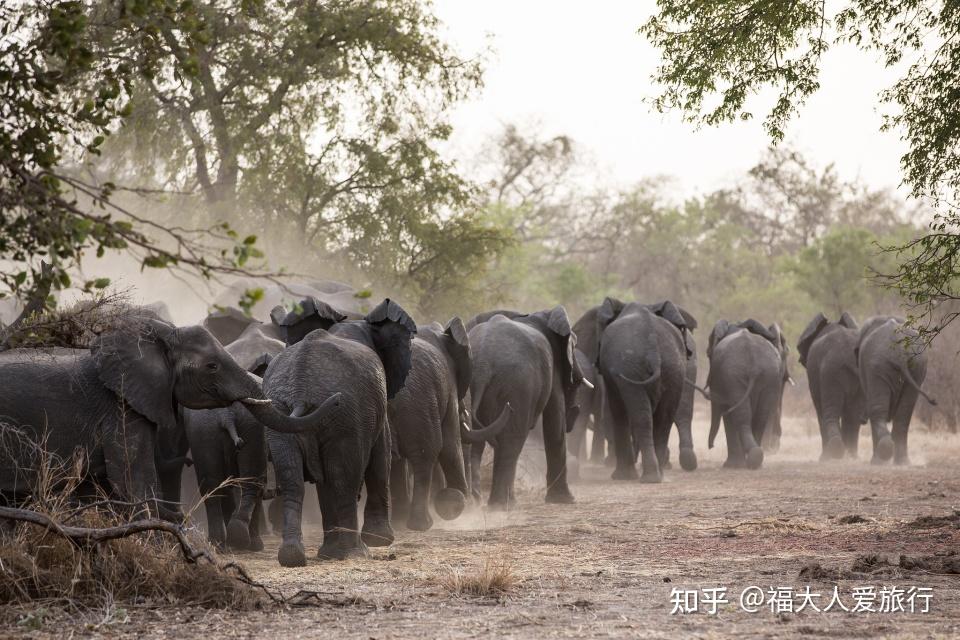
{"x": 256, "y": 400}
{"x": 587, "y": 384}
{"x": 792, "y": 382}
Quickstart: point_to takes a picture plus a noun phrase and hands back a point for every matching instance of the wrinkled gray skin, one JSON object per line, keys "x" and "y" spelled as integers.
{"x": 748, "y": 371}
{"x": 229, "y": 444}
{"x": 827, "y": 349}
{"x": 155, "y": 368}
{"x": 368, "y": 361}
{"x": 642, "y": 360}
{"x": 425, "y": 421}
{"x": 588, "y": 340}
{"x": 892, "y": 368}
{"x": 523, "y": 369}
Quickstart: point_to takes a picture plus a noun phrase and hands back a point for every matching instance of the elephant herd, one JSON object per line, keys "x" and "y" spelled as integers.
{"x": 372, "y": 403}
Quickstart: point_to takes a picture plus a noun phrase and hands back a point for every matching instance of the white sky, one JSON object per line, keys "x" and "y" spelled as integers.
{"x": 581, "y": 69}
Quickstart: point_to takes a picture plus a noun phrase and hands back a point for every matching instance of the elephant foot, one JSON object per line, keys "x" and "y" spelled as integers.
{"x": 336, "y": 551}
{"x": 610, "y": 461}
{"x": 291, "y": 554}
{"x": 419, "y": 521}
{"x": 256, "y": 543}
{"x": 884, "y": 449}
{"x": 378, "y": 533}
{"x": 688, "y": 460}
{"x": 651, "y": 478}
{"x": 449, "y": 503}
{"x": 238, "y": 535}
{"x": 665, "y": 464}
{"x": 833, "y": 449}
{"x": 624, "y": 473}
{"x": 901, "y": 460}
{"x": 559, "y": 495}
{"x": 755, "y": 458}
{"x": 734, "y": 463}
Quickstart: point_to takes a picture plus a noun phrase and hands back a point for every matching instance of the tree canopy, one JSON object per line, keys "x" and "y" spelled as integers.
{"x": 718, "y": 54}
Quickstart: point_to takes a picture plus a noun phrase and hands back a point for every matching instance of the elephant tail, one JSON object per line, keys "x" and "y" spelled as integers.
{"x": 480, "y": 433}
{"x": 702, "y": 390}
{"x": 716, "y": 413}
{"x": 905, "y": 371}
{"x": 642, "y": 383}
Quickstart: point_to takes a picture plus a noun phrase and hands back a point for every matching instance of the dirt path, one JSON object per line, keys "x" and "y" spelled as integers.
{"x": 605, "y": 567}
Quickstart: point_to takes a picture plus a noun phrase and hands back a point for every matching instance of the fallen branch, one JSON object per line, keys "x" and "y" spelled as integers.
{"x": 80, "y": 536}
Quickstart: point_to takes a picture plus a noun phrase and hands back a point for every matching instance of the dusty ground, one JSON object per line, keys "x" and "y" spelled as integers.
{"x": 605, "y": 567}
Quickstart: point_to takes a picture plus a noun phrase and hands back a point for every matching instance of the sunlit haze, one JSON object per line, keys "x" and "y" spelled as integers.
{"x": 581, "y": 69}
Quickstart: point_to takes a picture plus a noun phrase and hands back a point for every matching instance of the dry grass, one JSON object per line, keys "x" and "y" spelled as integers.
{"x": 493, "y": 577}
{"x": 39, "y": 567}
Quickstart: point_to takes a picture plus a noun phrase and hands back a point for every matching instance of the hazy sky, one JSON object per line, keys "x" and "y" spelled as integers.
{"x": 582, "y": 69}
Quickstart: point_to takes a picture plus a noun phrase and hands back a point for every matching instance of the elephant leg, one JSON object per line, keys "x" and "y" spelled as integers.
{"x": 505, "y": 459}
{"x": 598, "y": 443}
{"x": 878, "y": 408}
{"x": 903, "y": 413}
{"x": 662, "y": 425}
{"x": 256, "y": 541}
{"x": 288, "y": 467}
{"x": 377, "y": 531}
{"x": 476, "y": 458}
{"x": 238, "y": 527}
{"x": 419, "y": 519}
{"x": 850, "y": 430}
{"x": 338, "y": 507}
{"x": 275, "y": 515}
{"x": 639, "y": 423}
{"x": 129, "y": 452}
{"x": 830, "y": 413}
{"x": 623, "y": 448}
{"x": 399, "y": 488}
{"x": 213, "y": 506}
{"x": 555, "y": 448}
{"x": 451, "y": 500}
{"x": 736, "y": 459}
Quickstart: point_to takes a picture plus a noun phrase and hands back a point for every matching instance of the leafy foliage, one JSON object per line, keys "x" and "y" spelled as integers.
{"x": 61, "y": 100}
{"x": 728, "y": 51}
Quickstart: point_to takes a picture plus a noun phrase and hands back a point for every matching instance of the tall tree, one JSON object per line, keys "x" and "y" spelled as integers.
{"x": 60, "y": 100}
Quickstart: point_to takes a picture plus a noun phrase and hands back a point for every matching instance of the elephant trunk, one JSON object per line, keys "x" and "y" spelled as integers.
{"x": 480, "y": 433}
{"x": 263, "y": 411}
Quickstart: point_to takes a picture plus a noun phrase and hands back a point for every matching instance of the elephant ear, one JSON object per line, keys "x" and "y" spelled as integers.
{"x": 609, "y": 311}
{"x": 134, "y": 363}
{"x": 675, "y": 316}
{"x": 458, "y": 346}
{"x": 310, "y": 314}
{"x": 559, "y": 324}
{"x": 720, "y": 331}
{"x": 847, "y": 320}
{"x": 392, "y": 329}
{"x": 809, "y": 335}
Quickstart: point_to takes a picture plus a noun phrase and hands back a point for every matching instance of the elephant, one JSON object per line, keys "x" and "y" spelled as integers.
{"x": 587, "y": 329}
{"x": 425, "y": 419}
{"x": 229, "y": 443}
{"x": 117, "y": 401}
{"x": 642, "y": 357}
{"x": 748, "y": 372}
{"x": 589, "y": 402}
{"x": 368, "y": 361}
{"x": 524, "y": 370}
{"x": 892, "y": 366}
{"x": 338, "y": 295}
{"x": 828, "y": 351}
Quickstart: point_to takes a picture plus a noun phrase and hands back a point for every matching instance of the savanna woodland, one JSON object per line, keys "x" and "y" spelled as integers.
{"x": 289, "y": 164}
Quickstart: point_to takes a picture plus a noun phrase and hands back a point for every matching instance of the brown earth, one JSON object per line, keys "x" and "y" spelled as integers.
{"x": 605, "y": 567}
